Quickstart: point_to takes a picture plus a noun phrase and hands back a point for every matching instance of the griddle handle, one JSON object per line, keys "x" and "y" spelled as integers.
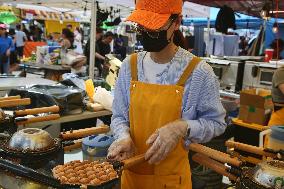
{"x": 15, "y": 102}
{"x": 51, "y": 109}
{"x": 23, "y": 121}
{"x": 134, "y": 161}
{"x": 214, "y": 154}
{"x": 212, "y": 164}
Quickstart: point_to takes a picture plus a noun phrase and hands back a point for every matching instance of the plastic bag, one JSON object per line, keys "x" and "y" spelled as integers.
{"x": 103, "y": 97}
{"x": 78, "y": 82}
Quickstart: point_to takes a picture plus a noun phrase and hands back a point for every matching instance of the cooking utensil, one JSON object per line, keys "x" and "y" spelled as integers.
{"x": 84, "y": 132}
{"x": 214, "y": 154}
{"x": 10, "y": 98}
{"x": 31, "y": 139}
{"x": 15, "y": 102}
{"x": 212, "y": 164}
{"x": 250, "y": 149}
{"x": 266, "y": 175}
{"x": 51, "y": 109}
{"x": 26, "y": 120}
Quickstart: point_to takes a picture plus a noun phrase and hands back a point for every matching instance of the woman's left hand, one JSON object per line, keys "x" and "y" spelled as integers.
{"x": 164, "y": 140}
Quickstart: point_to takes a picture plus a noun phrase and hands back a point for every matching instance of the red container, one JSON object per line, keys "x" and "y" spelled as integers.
{"x": 268, "y": 54}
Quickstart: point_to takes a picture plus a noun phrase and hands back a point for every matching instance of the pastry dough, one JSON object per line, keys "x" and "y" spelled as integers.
{"x": 84, "y": 173}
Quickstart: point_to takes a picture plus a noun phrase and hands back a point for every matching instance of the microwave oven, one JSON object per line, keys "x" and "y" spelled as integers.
{"x": 265, "y": 76}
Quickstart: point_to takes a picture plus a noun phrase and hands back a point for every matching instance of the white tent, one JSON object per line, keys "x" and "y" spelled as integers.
{"x": 126, "y": 6}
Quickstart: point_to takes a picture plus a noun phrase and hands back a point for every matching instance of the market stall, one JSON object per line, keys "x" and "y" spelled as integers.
{"x": 74, "y": 157}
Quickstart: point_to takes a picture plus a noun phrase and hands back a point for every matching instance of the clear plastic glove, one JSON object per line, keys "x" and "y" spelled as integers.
{"x": 121, "y": 149}
{"x": 164, "y": 140}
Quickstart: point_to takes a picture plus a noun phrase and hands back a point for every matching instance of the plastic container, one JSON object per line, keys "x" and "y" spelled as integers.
{"x": 276, "y": 140}
{"x": 96, "y": 147}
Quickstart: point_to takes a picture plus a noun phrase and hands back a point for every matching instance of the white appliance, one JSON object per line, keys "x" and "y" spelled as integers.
{"x": 259, "y": 74}
{"x": 226, "y": 71}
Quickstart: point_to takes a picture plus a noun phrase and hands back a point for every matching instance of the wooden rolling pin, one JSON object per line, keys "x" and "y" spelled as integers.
{"x": 250, "y": 149}
{"x": 214, "y": 165}
{"x": 77, "y": 144}
{"x": 15, "y": 102}
{"x": 84, "y": 132}
{"x": 10, "y": 98}
{"x": 214, "y": 154}
{"x": 52, "y": 109}
{"x": 134, "y": 161}
{"x": 23, "y": 121}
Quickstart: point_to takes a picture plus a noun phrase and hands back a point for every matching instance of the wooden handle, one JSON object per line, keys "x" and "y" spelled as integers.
{"x": 214, "y": 165}
{"x": 52, "y": 109}
{"x": 250, "y": 148}
{"x": 134, "y": 161}
{"x": 77, "y": 145}
{"x": 84, "y": 132}
{"x": 15, "y": 102}
{"x": 214, "y": 154}
{"x": 38, "y": 119}
{"x": 10, "y": 98}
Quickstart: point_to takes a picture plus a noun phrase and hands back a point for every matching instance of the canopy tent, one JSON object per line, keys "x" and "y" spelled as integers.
{"x": 249, "y": 7}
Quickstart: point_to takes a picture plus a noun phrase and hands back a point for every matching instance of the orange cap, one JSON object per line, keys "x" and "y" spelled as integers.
{"x": 153, "y": 14}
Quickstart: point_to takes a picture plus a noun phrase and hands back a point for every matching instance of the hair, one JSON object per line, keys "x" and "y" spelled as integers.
{"x": 18, "y": 26}
{"x": 69, "y": 35}
{"x": 109, "y": 34}
{"x": 69, "y": 25}
{"x": 99, "y": 30}
{"x": 12, "y": 32}
{"x": 50, "y": 37}
{"x": 179, "y": 39}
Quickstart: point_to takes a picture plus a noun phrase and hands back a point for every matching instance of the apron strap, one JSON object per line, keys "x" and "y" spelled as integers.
{"x": 133, "y": 67}
{"x": 189, "y": 69}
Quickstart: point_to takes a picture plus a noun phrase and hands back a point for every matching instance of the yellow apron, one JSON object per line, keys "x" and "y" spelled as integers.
{"x": 151, "y": 107}
{"x": 277, "y": 118}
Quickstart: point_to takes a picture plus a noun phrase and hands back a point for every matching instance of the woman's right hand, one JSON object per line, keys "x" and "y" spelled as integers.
{"x": 121, "y": 149}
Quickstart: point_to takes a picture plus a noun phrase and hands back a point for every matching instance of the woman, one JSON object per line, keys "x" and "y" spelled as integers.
{"x": 277, "y": 117}
{"x": 67, "y": 39}
{"x": 5, "y": 50}
{"x": 164, "y": 98}
{"x": 78, "y": 41}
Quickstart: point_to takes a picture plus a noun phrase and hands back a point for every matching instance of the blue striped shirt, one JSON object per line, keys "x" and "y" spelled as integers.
{"x": 202, "y": 108}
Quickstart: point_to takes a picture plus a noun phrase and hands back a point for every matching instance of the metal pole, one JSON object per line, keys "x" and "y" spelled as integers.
{"x": 93, "y": 38}
{"x": 208, "y": 36}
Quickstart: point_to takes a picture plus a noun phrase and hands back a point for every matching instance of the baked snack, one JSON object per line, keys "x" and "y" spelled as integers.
{"x": 84, "y": 173}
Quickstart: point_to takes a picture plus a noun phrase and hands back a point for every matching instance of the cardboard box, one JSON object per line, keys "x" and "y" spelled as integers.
{"x": 255, "y": 106}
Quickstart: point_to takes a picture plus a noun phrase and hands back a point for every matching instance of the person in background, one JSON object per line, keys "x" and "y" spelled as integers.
{"x": 98, "y": 57}
{"x": 37, "y": 33}
{"x": 5, "y": 49}
{"x": 27, "y": 32}
{"x": 13, "y": 55}
{"x": 70, "y": 27}
{"x": 119, "y": 48}
{"x": 104, "y": 49}
{"x": 21, "y": 38}
{"x": 78, "y": 41}
{"x": 67, "y": 41}
{"x": 277, "y": 117}
{"x": 50, "y": 41}
{"x": 164, "y": 99}
{"x": 104, "y": 44}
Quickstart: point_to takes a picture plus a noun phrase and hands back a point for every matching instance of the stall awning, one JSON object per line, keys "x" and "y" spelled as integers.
{"x": 44, "y": 15}
{"x": 249, "y": 7}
